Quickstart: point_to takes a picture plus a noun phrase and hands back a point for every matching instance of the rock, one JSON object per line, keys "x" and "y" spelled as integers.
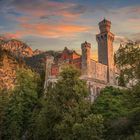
{"x": 8, "y": 67}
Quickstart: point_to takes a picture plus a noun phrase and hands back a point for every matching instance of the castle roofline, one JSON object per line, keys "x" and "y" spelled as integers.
{"x": 104, "y": 21}
{"x": 70, "y": 51}
{"x": 86, "y": 44}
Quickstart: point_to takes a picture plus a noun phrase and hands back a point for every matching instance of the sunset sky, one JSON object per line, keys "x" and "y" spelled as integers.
{"x": 54, "y": 24}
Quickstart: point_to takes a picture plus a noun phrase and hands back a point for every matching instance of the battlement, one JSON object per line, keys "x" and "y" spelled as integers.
{"x": 104, "y": 26}
{"x": 86, "y": 44}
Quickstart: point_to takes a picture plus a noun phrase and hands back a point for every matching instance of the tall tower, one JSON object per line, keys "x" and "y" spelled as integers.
{"x": 105, "y": 48}
{"x": 86, "y": 51}
{"x": 49, "y": 62}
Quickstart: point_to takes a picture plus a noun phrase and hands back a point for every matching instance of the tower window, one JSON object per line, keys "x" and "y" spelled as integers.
{"x": 101, "y": 37}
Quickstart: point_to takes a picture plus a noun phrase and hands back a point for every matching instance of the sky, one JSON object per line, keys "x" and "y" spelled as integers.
{"x": 54, "y": 24}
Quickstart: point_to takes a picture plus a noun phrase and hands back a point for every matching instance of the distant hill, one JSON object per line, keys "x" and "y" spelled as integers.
{"x": 37, "y": 62}
{"x": 21, "y": 50}
{"x": 17, "y": 47}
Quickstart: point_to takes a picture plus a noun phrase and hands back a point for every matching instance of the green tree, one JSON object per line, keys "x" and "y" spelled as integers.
{"x": 112, "y": 103}
{"x": 127, "y": 58}
{"x": 91, "y": 128}
{"x": 3, "y": 106}
{"x": 67, "y": 110}
{"x": 120, "y": 109}
{"x": 21, "y": 105}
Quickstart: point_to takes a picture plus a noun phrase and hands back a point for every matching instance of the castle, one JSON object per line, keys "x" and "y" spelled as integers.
{"x": 97, "y": 74}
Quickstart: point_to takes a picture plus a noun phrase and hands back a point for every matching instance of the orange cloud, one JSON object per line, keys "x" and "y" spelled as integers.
{"x": 52, "y": 31}
{"x": 13, "y": 35}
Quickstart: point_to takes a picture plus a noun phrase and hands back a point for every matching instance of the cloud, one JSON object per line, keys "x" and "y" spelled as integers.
{"x": 121, "y": 39}
{"x": 53, "y": 30}
{"x": 136, "y": 37}
{"x": 12, "y": 35}
{"x": 67, "y": 20}
{"x": 131, "y": 38}
{"x": 45, "y": 18}
{"x": 47, "y": 30}
{"x": 43, "y": 8}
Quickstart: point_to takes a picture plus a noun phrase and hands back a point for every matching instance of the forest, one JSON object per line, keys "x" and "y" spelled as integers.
{"x": 63, "y": 112}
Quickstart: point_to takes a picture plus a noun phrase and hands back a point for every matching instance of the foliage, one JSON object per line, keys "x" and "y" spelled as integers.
{"x": 3, "y": 105}
{"x": 66, "y": 111}
{"x": 127, "y": 58}
{"x": 120, "y": 109}
{"x": 22, "y": 103}
{"x": 111, "y": 103}
{"x": 91, "y": 128}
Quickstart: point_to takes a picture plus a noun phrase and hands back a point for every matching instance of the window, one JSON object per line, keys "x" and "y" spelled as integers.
{"x": 101, "y": 37}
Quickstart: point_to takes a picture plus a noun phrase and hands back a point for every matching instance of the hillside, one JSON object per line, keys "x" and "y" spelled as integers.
{"x": 18, "y": 48}
{"x": 8, "y": 67}
{"x": 12, "y": 57}
{"x": 37, "y": 62}
{"x": 14, "y": 54}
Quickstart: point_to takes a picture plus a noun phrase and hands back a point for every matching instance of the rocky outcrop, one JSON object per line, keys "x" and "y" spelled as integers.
{"x": 37, "y": 52}
{"x": 18, "y": 48}
{"x": 13, "y": 53}
{"x": 8, "y": 67}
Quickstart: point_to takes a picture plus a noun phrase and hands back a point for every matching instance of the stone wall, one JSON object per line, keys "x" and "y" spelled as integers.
{"x": 98, "y": 71}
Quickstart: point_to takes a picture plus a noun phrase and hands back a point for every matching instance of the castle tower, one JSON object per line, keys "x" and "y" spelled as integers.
{"x": 49, "y": 62}
{"x": 105, "y": 48}
{"x": 86, "y": 51}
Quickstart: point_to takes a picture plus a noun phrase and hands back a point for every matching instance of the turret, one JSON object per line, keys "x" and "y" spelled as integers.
{"x": 104, "y": 26}
{"x": 86, "y": 52}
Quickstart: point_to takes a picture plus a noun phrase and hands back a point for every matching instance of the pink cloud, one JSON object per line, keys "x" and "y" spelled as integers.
{"x": 13, "y": 35}
{"x": 53, "y": 31}
{"x": 47, "y": 30}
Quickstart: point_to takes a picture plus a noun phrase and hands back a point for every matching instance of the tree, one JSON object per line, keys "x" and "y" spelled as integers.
{"x": 67, "y": 110}
{"x": 112, "y": 103}
{"x": 21, "y": 105}
{"x": 91, "y": 128}
{"x": 3, "y": 106}
{"x": 120, "y": 109}
{"x": 127, "y": 58}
